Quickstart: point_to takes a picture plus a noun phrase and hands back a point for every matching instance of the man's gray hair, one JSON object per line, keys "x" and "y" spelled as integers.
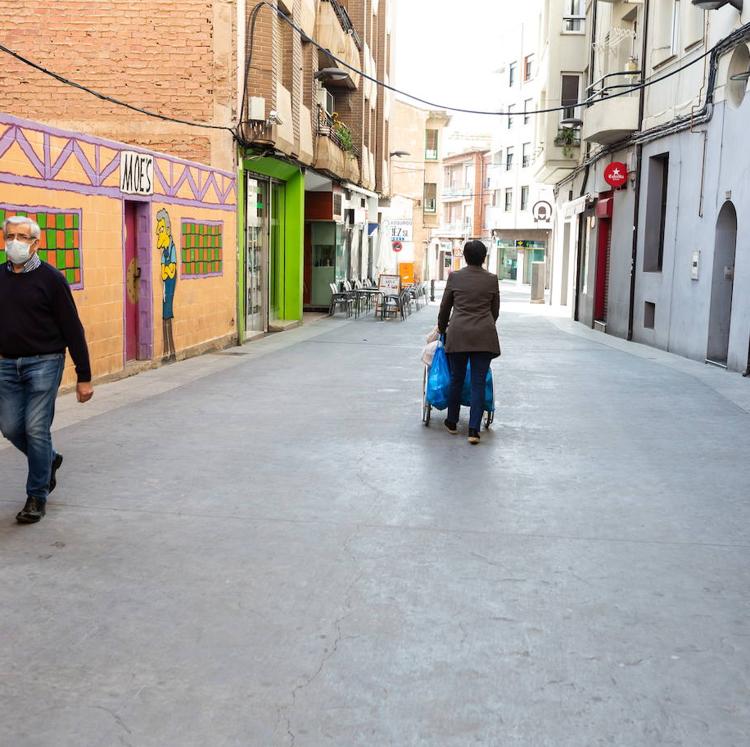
{"x": 164, "y": 215}
{"x": 22, "y": 220}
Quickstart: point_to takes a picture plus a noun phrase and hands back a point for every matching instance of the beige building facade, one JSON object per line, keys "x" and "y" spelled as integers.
{"x": 417, "y": 185}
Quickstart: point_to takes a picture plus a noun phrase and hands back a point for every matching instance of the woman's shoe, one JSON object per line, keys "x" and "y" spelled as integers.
{"x": 473, "y": 436}
{"x": 452, "y": 428}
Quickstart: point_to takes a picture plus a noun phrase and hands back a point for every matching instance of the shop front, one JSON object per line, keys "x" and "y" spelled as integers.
{"x": 270, "y": 285}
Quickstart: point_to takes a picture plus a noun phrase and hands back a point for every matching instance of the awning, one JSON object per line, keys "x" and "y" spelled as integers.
{"x": 575, "y": 207}
{"x": 361, "y": 190}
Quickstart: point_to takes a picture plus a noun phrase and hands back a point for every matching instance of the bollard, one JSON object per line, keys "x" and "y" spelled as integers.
{"x": 432, "y": 290}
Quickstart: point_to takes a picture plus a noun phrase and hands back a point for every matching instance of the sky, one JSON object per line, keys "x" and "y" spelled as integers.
{"x": 447, "y": 50}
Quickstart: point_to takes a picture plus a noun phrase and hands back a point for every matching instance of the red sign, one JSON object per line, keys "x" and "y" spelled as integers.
{"x": 616, "y": 174}
{"x": 397, "y": 246}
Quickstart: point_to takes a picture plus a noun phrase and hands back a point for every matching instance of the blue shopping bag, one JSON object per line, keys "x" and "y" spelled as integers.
{"x": 489, "y": 391}
{"x": 439, "y": 380}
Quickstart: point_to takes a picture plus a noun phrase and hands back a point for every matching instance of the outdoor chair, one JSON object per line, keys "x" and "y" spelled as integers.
{"x": 340, "y": 300}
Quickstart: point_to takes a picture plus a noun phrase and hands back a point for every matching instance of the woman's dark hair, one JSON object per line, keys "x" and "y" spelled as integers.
{"x": 475, "y": 252}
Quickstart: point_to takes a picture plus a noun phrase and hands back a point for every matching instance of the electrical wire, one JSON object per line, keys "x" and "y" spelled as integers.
{"x": 433, "y": 105}
{"x": 110, "y": 99}
{"x": 252, "y": 20}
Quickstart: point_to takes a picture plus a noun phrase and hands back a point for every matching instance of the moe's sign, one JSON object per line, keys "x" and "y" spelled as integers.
{"x": 136, "y": 173}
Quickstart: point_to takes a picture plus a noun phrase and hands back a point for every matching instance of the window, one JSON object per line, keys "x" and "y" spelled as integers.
{"x": 429, "y": 204}
{"x": 569, "y": 96}
{"x": 497, "y": 158}
{"x": 431, "y": 145}
{"x": 512, "y": 74}
{"x": 511, "y": 108}
{"x": 526, "y": 155}
{"x": 528, "y": 106}
{"x": 202, "y": 248}
{"x": 524, "y": 198}
{"x": 574, "y": 17}
{"x": 488, "y": 183}
{"x": 528, "y": 67}
{"x": 508, "y": 159}
{"x": 675, "y": 27}
{"x": 656, "y": 212}
{"x": 649, "y": 314}
{"x": 508, "y": 200}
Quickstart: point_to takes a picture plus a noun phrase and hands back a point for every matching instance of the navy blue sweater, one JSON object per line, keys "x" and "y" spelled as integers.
{"x": 38, "y": 316}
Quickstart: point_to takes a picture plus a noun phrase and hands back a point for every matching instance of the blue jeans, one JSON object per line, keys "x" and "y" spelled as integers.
{"x": 480, "y": 364}
{"x": 28, "y": 389}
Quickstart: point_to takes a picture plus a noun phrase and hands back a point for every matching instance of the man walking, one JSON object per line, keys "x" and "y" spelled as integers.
{"x": 38, "y": 320}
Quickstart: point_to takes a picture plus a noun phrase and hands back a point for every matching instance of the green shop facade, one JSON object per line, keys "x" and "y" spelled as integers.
{"x": 271, "y": 214}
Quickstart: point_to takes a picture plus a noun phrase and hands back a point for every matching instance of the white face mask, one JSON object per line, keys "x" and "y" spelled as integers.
{"x": 18, "y": 251}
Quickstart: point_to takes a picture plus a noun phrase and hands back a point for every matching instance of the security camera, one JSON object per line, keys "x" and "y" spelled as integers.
{"x": 274, "y": 118}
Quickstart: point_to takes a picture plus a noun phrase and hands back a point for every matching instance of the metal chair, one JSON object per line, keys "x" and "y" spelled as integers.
{"x": 340, "y": 300}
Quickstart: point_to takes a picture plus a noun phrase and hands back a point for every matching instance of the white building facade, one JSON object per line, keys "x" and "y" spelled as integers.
{"x": 660, "y": 258}
{"x": 518, "y": 217}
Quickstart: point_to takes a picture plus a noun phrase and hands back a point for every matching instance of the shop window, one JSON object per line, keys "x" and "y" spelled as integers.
{"x": 202, "y": 248}
{"x": 59, "y": 241}
{"x": 656, "y": 212}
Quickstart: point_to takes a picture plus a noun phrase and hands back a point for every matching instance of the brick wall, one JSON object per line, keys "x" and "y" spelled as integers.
{"x": 175, "y": 57}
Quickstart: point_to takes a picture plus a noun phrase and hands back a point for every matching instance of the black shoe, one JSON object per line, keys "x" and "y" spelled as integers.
{"x": 56, "y": 464}
{"x": 32, "y": 512}
{"x": 473, "y": 436}
{"x": 452, "y": 429}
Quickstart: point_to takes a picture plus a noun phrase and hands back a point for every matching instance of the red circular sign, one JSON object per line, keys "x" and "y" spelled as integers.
{"x": 397, "y": 246}
{"x": 616, "y": 174}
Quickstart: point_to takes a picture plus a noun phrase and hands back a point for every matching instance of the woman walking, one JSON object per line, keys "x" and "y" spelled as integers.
{"x": 471, "y": 335}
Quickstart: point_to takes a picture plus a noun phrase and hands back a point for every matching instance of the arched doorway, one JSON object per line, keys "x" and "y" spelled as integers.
{"x": 722, "y": 285}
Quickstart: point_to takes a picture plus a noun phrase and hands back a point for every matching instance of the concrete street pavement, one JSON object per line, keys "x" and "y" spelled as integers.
{"x": 265, "y": 547}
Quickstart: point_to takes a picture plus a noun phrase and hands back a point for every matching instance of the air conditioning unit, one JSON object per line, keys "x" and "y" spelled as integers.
{"x": 256, "y": 110}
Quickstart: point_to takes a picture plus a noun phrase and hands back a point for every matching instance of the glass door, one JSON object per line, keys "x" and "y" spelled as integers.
{"x": 257, "y": 255}
{"x": 277, "y": 253}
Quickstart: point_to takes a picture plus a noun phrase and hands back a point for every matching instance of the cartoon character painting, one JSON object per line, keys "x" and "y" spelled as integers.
{"x": 165, "y": 243}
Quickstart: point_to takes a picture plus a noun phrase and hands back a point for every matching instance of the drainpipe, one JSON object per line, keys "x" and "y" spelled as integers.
{"x": 638, "y": 171}
{"x": 582, "y": 224}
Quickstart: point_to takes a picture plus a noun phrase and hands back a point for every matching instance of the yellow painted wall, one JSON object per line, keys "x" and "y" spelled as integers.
{"x": 204, "y": 308}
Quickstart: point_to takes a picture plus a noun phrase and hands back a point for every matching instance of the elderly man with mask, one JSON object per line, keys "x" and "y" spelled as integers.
{"x": 38, "y": 321}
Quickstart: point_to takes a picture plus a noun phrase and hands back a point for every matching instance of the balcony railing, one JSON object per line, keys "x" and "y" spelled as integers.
{"x": 336, "y": 131}
{"x": 611, "y": 83}
{"x": 574, "y": 24}
{"x": 346, "y": 22}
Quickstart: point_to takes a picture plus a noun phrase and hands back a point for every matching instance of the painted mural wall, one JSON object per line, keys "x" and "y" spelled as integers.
{"x": 145, "y": 240}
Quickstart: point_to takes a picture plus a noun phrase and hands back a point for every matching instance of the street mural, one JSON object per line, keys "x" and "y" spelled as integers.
{"x": 165, "y": 243}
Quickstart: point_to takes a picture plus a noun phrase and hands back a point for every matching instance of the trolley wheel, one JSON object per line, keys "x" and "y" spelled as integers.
{"x": 426, "y": 414}
{"x": 489, "y": 417}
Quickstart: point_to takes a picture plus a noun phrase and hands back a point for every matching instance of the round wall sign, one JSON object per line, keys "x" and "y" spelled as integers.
{"x": 616, "y": 174}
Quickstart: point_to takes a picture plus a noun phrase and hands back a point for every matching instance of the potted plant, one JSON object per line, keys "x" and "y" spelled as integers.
{"x": 568, "y": 138}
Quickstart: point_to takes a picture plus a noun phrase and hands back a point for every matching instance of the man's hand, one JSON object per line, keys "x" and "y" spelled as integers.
{"x": 84, "y": 391}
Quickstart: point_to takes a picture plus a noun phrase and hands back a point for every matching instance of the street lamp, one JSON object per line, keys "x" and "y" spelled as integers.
{"x": 399, "y": 154}
{"x": 332, "y": 74}
{"x": 716, "y": 4}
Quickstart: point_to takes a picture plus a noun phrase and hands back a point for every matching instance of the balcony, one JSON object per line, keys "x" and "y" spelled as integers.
{"x": 335, "y": 152}
{"x": 608, "y": 120}
{"x": 334, "y": 31}
{"x": 456, "y": 193}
